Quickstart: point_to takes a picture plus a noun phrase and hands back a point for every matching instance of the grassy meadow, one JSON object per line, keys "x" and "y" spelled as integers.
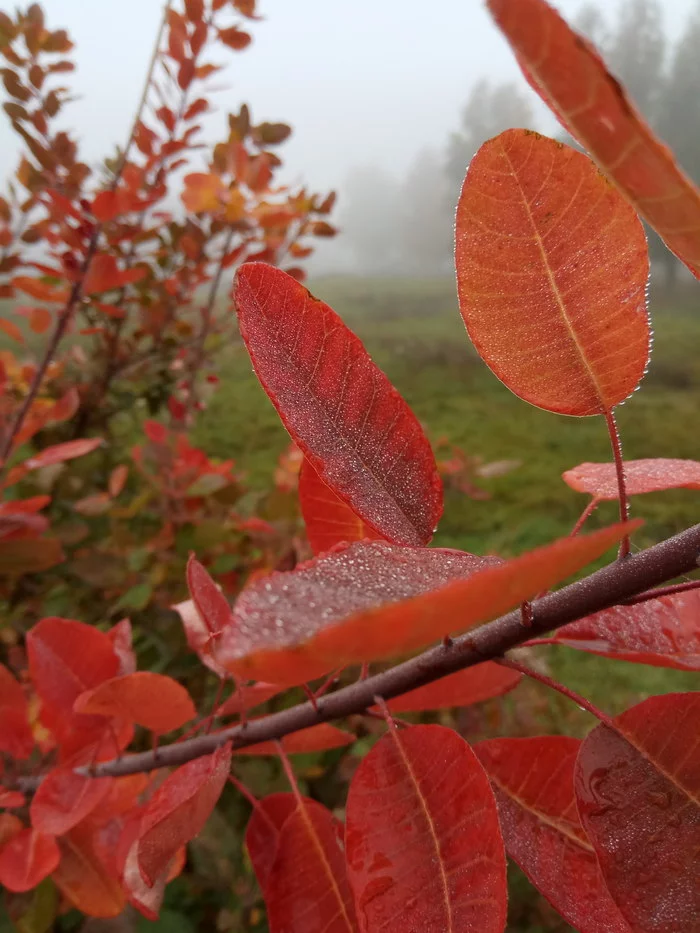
{"x": 414, "y": 332}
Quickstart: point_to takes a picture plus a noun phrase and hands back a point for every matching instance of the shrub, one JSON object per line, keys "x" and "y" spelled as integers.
{"x": 552, "y": 266}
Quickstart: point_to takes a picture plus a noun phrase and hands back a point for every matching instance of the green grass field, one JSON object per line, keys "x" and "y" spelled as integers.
{"x": 414, "y": 332}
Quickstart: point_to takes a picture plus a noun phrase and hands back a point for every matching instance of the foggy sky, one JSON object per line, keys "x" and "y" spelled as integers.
{"x": 360, "y": 80}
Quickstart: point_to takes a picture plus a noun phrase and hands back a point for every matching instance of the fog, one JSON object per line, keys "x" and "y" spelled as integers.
{"x": 373, "y": 89}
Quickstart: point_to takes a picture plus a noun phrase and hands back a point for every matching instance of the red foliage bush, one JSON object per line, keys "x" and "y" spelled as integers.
{"x": 552, "y": 293}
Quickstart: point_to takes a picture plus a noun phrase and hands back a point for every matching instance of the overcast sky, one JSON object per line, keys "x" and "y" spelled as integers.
{"x": 360, "y": 80}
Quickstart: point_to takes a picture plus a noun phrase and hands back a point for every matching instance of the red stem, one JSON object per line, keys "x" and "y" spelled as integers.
{"x": 621, "y": 482}
{"x": 560, "y": 688}
{"x": 584, "y": 516}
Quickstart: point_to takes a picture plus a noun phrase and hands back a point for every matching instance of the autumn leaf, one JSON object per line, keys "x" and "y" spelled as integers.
{"x": 569, "y": 75}
{"x": 147, "y": 699}
{"x": 424, "y": 848}
{"x": 463, "y": 688}
{"x": 294, "y": 846}
{"x": 178, "y": 810}
{"x": 352, "y": 425}
{"x": 317, "y": 738}
{"x": 58, "y": 453}
{"x": 663, "y": 632}
{"x": 564, "y": 326}
{"x": 641, "y": 476}
{"x": 533, "y": 780}
{"x": 328, "y": 519}
{"x": 64, "y": 798}
{"x": 27, "y": 859}
{"x": 372, "y": 600}
{"x": 637, "y": 786}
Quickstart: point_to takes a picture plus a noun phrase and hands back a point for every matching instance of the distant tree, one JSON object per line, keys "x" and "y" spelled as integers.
{"x": 591, "y": 23}
{"x": 370, "y": 218}
{"x": 490, "y": 109}
{"x": 636, "y": 53}
{"x": 679, "y": 109}
{"x": 425, "y": 235}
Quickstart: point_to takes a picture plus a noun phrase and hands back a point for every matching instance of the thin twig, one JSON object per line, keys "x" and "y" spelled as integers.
{"x": 607, "y": 587}
{"x": 621, "y": 481}
{"x": 559, "y": 688}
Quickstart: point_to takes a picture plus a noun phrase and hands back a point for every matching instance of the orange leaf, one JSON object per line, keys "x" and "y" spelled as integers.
{"x": 600, "y": 479}
{"x": 423, "y": 845}
{"x": 327, "y": 518}
{"x": 564, "y": 326}
{"x": 372, "y": 601}
{"x": 569, "y": 75}
{"x": 104, "y": 275}
{"x": 11, "y": 329}
{"x": 38, "y": 289}
{"x": 352, "y": 425}
{"x": 203, "y": 193}
{"x": 153, "y": 701}
{"x": 40, "y": 320}
{"x": 314, "y": 739}
{"x": 464, "y": 688}
{"x": 27, "y": 859}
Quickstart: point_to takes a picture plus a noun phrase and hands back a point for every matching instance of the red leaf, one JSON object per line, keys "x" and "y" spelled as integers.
{"x": 314, "y": 739}
{"x": 563, "y": 326}
{"x": 463, "y": 688}
{"x": 569, "y": 75}
{"x": 533, "y": 780}
{"x": 637, "y": 792}
{"x": 27, "y": 859}
{"x": 58, "y": 453}
{"x": 29, "y": 555}
{"x": 64, "y": 798}
{"x": 205, "y": 616}
{"x": 209, "y": 601}
{"x": 303, "y": 875}
{"x": 356, "y": 430}
{"x": 600, "y": 479}
{"x": 178, "y": 810}
{"x": 424, "y": 849}
{"x": 38, "y": 289}
{"x": 153, "y": 701}
{"x": 248, "y": 697}
{"x": 663, "y": 632}
{"x": 277, "y": 618}
{"x": 234, "y": 38}
{"x": 117, "y": 479}
{"x": 264, "y": 826}
{"x": 15, "y": 733}
{"x": 107, "y": 205}
{"x": 11, "y": 329}
{"x": 327, "y": 518}
{"x": 40, "y": 320}
{"x": 84, "y": 880}
{"x": 372, "y": 600}
{"x": 120, "y": 636}
{"x": 66, "y": 658}
{"x": 104, "y": 275}
{"x": 11, "y": 799}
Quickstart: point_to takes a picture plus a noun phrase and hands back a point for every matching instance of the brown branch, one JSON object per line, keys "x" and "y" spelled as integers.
{"x": 610, "y": 586}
